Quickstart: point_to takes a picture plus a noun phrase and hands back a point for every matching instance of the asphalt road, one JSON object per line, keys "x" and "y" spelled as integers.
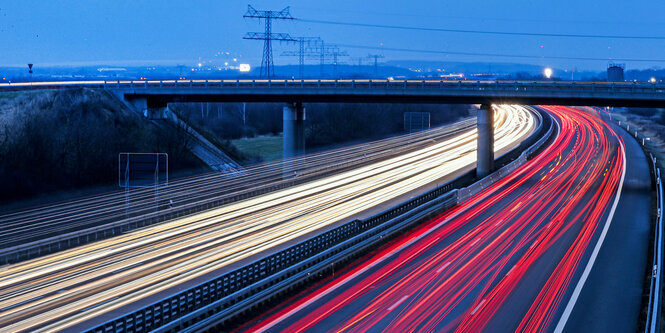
{"x": 34, "y": 224}
{"x": 511, "y": 258}
{"x": 610, "y": 300}
{"x": 79, "y": 288}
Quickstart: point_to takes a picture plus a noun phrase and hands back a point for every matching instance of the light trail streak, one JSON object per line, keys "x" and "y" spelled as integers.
{"x": 21, "y": 227}
{"x": 60, "y": 291}
{"x": 488, "y": 264}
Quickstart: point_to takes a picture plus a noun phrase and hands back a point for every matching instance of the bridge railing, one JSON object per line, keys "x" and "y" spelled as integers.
{"x": 466, "y": 85}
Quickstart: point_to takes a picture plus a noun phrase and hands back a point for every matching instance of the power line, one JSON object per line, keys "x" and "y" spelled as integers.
{"x": 476, "y": 18}
{"x": 301, "y": 53}
{"x": 376, "y": 61}
{"x": 504, "y": 55}
{"x": 267, "y": 67}
{"x": 485, "y": 32}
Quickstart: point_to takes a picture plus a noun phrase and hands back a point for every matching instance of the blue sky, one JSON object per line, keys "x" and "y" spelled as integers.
{"x": 120, "y": 32}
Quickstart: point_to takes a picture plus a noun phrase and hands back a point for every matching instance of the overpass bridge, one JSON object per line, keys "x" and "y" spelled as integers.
{"x": 154, "y": 96}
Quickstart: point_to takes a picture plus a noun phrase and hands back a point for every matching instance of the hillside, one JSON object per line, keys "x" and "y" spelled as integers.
{"x": 62, "y": 140}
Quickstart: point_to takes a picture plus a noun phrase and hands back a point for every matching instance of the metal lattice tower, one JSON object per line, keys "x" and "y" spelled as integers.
{"x": 328, "y": 51}
{"x": 376, "y": 62}
{"x": 313, "y": 48}
{"x": 335, "y": 52}
{"x": 302, "y": 52}
{"x": 267, "y": 67}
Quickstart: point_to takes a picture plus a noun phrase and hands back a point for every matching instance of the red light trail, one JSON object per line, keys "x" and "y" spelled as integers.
{"x": 507, "y": 256}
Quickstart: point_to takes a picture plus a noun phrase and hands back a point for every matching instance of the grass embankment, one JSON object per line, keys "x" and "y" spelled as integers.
{"x": 267, "y": 147}
{"x": 68, "y": 140}
{"x": 647, "y": 125}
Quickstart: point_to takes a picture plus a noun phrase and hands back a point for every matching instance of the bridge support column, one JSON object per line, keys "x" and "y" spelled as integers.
{"x": 485, "y": 150}
{"x": 293, "y": 140}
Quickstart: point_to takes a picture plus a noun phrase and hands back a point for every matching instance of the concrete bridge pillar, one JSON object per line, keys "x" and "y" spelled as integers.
{"x": 485, "y": 151}
{"x": 294, "y": 130}
{"x": 293, "y": 139}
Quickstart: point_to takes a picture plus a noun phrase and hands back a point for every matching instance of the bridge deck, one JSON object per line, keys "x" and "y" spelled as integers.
{"x": 159, "y": 93}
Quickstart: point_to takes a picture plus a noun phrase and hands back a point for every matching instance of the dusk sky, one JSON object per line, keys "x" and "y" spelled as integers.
{"x": 126, "y": 32}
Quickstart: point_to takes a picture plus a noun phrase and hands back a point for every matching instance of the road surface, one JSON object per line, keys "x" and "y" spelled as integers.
{"x": 508, "y": 259}
{"x": 78, "y": 288}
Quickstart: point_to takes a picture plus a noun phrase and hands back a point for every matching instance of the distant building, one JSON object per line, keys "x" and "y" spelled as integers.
{"x": 615, "y": 73}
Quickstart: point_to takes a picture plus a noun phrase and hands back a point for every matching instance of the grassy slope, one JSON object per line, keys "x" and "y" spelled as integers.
{"x": 647, "y": 126}
{"x": 267, "y": 147}
{"x": 57, "y": 143}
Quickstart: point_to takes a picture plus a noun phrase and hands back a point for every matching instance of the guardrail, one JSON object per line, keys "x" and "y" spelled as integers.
{"x": 655, "y": 289}
{"x": 654, "y": 307}
{"x": 224, "y": 292}
{"x": 221, "y": 299}
{"x": 633, "y": 88}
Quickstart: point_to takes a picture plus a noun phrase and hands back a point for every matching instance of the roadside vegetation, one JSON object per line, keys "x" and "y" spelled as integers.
{"x": 649, "y": 122}
{"x": 265, "y": 147}
{"x": 62, "y": 140}
{"x": 327, "y": 125}
{"x": 56, "y": 144}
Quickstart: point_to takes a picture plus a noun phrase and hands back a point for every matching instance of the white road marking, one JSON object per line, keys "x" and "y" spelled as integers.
{"x": 392, "y": 307}
{"x": 443, "y": 267}
{"x": 358, "y": 273}
{"x": 587, "y": 270}
{"x": 511, "y": 269}
{"x": 478, "y": 307}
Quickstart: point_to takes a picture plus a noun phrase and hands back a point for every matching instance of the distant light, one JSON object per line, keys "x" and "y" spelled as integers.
{"x": 652, "y": 80}
{"x": 200, "y": 64}
{"x": 235, "y": 59}
{"x": 548, "y": 72}
{"x": 226, "y": 64}
{"x": 244, "y": 67}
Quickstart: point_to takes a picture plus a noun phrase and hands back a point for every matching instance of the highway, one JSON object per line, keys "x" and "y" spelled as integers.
{"x": 611, "y": 299}
{"x": 54, "y": 219}
{"x": 522, "y": 255}
{"x": 84, "y": 286}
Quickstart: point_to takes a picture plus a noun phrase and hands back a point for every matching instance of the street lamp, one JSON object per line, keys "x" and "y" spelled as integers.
{"x": 652, "y": 80}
